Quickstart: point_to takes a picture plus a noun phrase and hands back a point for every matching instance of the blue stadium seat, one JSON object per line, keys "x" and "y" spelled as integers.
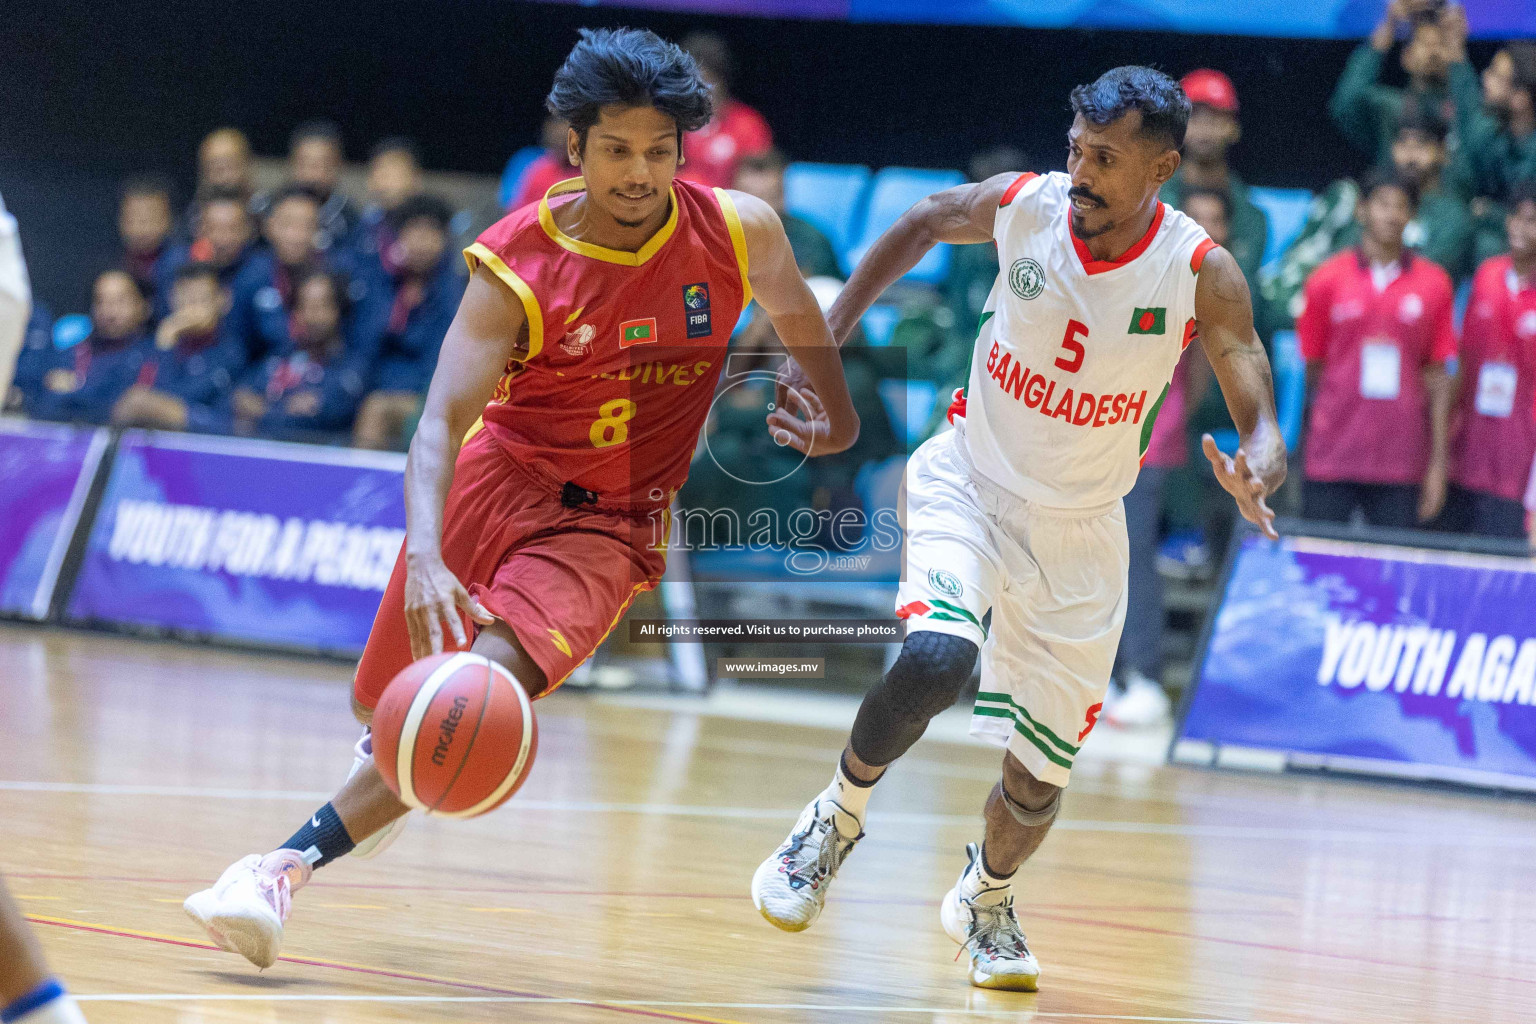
{"x": 1286, "y": 209}
{"x": 1290, "y": 372}
{"x": 880, "y": 323}
{"x": 830, "y": 196}
{"x": 909, "y": 404}
{"x": 896, "y": 190}
{"x": 70, "y": 330}
{"x": 512, "y": 174}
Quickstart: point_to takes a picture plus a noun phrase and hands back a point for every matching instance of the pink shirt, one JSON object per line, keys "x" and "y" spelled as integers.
{"x": 1495, "y": 419}
{"x": 1370, "y": 414}
{"x": 1168, "y": 446}
{"x": 538, "y": 178}
{"x": 712, "y": 152}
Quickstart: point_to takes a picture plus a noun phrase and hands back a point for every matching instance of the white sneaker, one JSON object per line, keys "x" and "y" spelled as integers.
{"x": 244, "y": 911}
{"x": 1140, "y": 705}
{"x": 987, "y": 928}
{"x": 790, "y": 887}
{"x": 378, "y": 842}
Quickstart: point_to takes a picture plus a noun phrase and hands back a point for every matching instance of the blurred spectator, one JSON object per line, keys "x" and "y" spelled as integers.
{"x": 262, "y": 293}
{"x": 1498, "y": 126}
{"x": 309, "y": 390}
{"x": 1442, "y": 228}
{"x": 1137, "y": 699}
{"x": 973, "y": 268}
{"x": 1213, "y": 130}
{"x": 1495, "y": 440}
{"x": 224, "y": 232}
{"x": 1366, "y": 111}
{"x": 734, "y": 133}
{"x": 394, "y": 175}
{"x": 83, "y": 383}
{"x": 224, "y": 162}
{"x": 144, "y": 223}
{"x": 315, "y": 158}
{"x": 15, "y": 302}
{"x": 1376, "y": 331}
{"x": 549, "y": 168}
{"x": 421, "y": 295}
{"x": 762, "y": 175}
{"x": 188, "y": 377}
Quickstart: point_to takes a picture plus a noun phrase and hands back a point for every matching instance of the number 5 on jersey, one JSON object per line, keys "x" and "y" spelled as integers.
{"x": 1069, "y": 343}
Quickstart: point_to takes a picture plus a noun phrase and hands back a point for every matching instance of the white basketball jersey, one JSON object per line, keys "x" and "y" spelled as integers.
{"x": 1075, "y": 355}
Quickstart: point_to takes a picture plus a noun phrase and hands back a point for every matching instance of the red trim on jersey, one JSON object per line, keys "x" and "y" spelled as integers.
{"x": 956, "y": 405}
{"x": 1019, "y": 182}
{"x": 915, "y": 608}
{"x": 1098, "y": 266}
{"x": 1201, "y": 251}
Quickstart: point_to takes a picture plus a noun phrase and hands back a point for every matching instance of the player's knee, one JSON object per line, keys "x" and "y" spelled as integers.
{"x": 1024, "y": 790}
{"x": 500, "y": 644}
{"x": 929, "y": 674}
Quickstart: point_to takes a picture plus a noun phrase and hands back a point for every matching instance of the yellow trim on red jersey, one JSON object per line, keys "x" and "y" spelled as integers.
{"x": 738, "y": 241}
{"x": 479, "y": 253}
{"x": 598, "y": 252}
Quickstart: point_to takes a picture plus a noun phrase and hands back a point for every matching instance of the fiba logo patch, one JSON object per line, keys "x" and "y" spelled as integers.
{"x": 696, "y": 309}
{"x": 1026, "y": 278}
{"x": 946, "y": 583}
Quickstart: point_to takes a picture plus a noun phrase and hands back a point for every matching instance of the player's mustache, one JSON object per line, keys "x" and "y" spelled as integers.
{"x": 1078, "y": 192}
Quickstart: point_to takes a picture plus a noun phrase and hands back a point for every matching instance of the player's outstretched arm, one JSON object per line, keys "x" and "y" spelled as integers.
{"x": 1224, "y": 315}
{"x": 831, "y": 425}
{"x": 961, "y": 215}
{"x": 483, "y": 336}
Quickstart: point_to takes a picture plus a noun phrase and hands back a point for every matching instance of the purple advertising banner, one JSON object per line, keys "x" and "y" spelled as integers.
{"x": 256, "y": 541}
{"x": 45, "y": 474}
{"x": 1319, "y": 19}
{"x": 1373, "y": 657}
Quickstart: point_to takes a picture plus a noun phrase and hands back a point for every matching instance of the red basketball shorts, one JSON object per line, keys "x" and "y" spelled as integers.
{"x": 560, "y": 577}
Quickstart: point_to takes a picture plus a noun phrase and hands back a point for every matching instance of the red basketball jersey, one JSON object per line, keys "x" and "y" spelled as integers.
{"x": 624, "y": 348}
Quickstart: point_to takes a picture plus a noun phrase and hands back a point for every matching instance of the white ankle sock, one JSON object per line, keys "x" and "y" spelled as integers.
{"x": 981, "y": 886}
{"x": 852, "y": 798}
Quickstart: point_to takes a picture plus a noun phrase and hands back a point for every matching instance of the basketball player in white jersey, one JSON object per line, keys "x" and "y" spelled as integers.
{"x": 1017, "y": 510}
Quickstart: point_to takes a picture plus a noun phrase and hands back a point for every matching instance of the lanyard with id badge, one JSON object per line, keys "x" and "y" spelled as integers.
{"x": 1381, "y": 369}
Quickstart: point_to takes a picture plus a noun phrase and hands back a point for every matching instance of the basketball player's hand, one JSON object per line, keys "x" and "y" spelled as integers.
{"x": 1243, "y": 483}
{"x": 809, "y": 436}
{"x": 433, "y": 596}
{"x": 791, "y": 377}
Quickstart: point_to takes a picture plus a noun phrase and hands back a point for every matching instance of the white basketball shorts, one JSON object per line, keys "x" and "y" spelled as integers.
{"x": 1054, "y": 580}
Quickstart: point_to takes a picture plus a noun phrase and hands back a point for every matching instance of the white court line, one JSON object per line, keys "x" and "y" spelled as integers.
{"x": 151, "y": 997}
{"x": 1147, "y": 828}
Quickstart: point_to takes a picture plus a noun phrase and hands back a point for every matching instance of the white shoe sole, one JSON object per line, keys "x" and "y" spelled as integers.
{"x": 953, "y": 920}
{"x": 762, "y": 878}
{"x": 256, "y": 937}
{"x": 381, "y": 840}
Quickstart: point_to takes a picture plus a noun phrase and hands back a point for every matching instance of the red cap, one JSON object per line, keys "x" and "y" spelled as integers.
{"x": 1212, "y": 88}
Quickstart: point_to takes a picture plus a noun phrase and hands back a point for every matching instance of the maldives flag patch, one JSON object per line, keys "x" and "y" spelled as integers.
{"x": 637, "y": 332}
{"x": 1148, "y": 321}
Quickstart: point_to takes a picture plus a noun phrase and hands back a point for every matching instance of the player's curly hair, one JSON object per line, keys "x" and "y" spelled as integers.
{"x": 1163, "y": 105}
{"x": 632, "y": 67}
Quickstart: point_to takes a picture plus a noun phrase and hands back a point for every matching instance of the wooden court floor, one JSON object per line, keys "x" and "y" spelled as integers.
{"x": 614, "y": 886}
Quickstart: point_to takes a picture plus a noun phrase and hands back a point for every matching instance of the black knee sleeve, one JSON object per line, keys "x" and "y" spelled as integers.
{"x": 928, "y": 676}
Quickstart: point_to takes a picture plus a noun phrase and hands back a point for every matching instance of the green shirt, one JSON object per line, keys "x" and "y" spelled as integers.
{"x": 1249, "y": 230}
{"x": 813, "y": 250}
{"x": 1367, "y": 111}
{"x": 1491, "y": 159}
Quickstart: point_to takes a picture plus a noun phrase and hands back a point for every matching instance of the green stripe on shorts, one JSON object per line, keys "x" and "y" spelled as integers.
{"x": 1018, "y": 727}
{"x": 1022, "y": 715}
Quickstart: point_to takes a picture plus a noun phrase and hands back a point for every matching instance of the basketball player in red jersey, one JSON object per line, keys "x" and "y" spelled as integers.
{"x": 579, "y": 371}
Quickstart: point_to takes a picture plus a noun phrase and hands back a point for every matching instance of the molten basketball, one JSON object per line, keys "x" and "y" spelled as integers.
{"x": 454, "y": 734}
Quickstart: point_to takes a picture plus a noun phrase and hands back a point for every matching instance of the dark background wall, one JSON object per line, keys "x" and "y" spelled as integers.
{"x": 90, "y": 93}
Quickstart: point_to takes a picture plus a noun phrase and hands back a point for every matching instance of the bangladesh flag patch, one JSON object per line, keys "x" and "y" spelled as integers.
{"x": 1148, "y": 321}
{"x": 637, "y": 332}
